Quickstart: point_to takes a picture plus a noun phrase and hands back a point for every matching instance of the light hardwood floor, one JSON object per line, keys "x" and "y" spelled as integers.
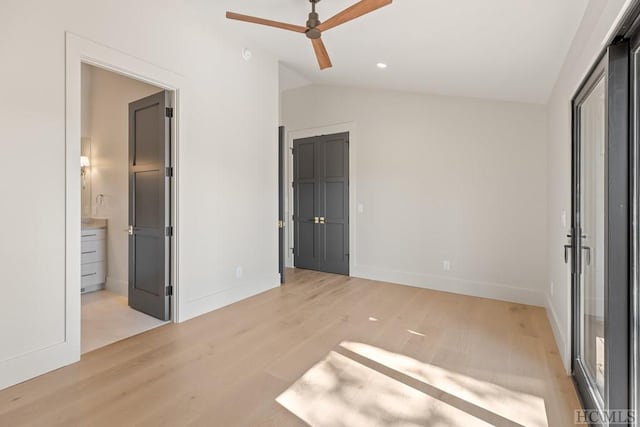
{"x": 322, "y": 350}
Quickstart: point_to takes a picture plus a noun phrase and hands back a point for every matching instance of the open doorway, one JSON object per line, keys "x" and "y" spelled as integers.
{"x": 126, "y": 200}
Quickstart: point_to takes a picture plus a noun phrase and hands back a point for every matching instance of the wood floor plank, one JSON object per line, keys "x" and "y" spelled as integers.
{"x": 229, "y": 367}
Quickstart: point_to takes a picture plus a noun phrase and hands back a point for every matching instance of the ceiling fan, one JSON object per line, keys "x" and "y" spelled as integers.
{"x": 315, "y": 27}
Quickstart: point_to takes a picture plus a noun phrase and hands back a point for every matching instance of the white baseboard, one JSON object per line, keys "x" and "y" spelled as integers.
{"x": 34, "y": 363}
{"x": 454, "y": 285}
{"x": 563, "y": 345}
{"x": 214, "y": 301}
{"x": 120, "y": 287}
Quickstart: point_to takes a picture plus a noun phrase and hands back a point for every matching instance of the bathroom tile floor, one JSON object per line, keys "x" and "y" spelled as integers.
{"x": 107, "y": 318}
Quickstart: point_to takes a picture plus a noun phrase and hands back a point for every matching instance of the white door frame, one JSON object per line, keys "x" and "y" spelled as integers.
{"x": 349, "y": 127}
{"x": 78, "y": 51}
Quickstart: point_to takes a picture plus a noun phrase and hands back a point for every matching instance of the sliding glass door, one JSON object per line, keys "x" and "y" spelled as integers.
{"x": 599, "y": 242}
{"x": 589, "y": 238}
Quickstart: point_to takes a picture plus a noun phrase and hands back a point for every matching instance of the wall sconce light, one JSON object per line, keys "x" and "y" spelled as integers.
{"x": 84, "y": 164}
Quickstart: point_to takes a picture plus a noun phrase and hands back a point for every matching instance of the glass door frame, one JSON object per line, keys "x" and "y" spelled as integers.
{"x": 614, "y": 68}
{"x": 634, "y": 328}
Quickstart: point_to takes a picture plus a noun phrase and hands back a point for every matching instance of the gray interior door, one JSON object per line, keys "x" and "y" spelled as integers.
{"x": 306, "y": 204}
{"x": 149, "y": 205}
{"x": 321, "y": 203}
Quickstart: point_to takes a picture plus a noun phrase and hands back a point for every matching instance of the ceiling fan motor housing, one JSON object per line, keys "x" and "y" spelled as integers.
{"x": 313, "y": 33}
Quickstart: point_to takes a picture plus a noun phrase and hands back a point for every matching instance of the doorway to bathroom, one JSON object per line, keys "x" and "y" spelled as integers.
{"x": 126, "y": 203}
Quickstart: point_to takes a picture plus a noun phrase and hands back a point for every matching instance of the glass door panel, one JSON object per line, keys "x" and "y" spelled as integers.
{"x": 591, "y": 238}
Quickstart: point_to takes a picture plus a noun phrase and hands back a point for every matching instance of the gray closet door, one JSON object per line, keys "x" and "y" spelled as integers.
{"x": 321, "y": 203}
{"x": 149, "y": 205}
{"x": 306, "y": 203}
{"x": 333, "y": 153}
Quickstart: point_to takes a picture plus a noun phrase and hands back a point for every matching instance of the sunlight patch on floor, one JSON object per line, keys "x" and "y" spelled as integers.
{"x": 360, "y": 384}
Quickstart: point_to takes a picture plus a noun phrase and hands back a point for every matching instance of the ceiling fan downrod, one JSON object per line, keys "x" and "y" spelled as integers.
{"x": 314, "y": 20}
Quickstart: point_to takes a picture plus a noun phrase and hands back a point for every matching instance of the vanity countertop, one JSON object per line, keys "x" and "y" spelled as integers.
{"x": 94, "y": 223}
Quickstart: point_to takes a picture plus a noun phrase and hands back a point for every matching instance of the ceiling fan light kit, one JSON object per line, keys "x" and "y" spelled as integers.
{"x": 314, "y": 27}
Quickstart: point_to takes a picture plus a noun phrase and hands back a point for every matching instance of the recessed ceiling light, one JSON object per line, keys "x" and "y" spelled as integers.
{"x": 381, "y": 65}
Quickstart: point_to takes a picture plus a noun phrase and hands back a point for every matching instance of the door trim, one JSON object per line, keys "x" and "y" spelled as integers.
{"x": 349, "y": 127}
{"x": 78, "y": 51}
{"x": 618, "y": 227}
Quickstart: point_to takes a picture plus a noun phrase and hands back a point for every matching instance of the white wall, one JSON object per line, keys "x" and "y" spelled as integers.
{"x": 442, "y": 178}
{"x": 227, "y": 160}
{"x": 108, "y": 128}
{"x": 589, "y": 41}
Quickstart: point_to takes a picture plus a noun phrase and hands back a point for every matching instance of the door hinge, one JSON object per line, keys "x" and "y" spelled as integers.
{"x": 169, "y": 231}
{"x": 168, "y": 112}
{"x": 168, "y": 291}
{"x": 168, "y": 172}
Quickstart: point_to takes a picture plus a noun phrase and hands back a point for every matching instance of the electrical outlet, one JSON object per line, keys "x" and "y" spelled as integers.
{"x": 552, "y": 288}
{"x": 239, "y": 271}
{"x": 446, "y": 265}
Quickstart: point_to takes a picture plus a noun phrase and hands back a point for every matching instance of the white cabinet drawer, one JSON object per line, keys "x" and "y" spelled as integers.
{"x": 92, "y": 274}
{"x": 89, "y": 235}
{"x": 92, "y": 251}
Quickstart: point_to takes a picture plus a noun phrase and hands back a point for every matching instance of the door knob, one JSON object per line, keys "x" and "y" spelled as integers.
{"x": 130, "y": 230}
{"x": 316, "y": 220}
{"x": 321, "y": 220}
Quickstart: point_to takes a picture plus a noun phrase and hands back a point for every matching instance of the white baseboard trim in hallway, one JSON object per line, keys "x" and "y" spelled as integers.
{"x": 454, "y": 285}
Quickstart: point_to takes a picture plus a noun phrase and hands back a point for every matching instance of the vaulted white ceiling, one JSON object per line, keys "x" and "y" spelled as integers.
{"x": 493, "y": 49}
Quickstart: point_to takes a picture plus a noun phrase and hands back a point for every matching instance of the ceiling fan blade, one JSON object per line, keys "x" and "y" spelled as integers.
{"x": 321, "y": 53}
{"x": 357, "y": 10}
{"x": 267, "y": 22}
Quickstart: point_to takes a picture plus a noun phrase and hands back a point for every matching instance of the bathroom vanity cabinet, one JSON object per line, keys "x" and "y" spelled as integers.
{"x": 93, "y": 255}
